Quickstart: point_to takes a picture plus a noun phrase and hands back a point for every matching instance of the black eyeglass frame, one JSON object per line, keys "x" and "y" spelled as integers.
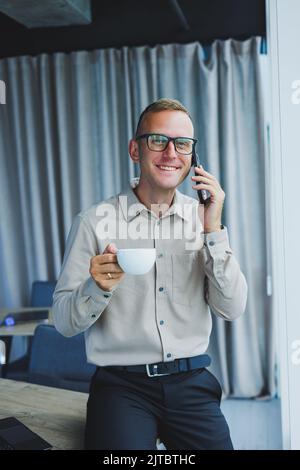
{"x": 170, "y": 139}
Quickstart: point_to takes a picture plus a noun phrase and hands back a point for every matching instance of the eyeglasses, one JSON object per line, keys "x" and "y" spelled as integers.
{"x": 159, "y": 143}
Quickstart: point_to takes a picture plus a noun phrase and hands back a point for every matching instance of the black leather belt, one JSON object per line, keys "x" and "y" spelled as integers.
{"x": 167, "y": 368}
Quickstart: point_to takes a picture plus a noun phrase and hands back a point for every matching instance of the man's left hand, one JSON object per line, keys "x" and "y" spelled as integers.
{"x": 213, "y": 208}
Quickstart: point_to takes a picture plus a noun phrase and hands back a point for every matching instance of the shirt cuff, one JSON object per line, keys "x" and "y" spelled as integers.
{"x": 97, "y": 294}
{"x": 217, "y": 243}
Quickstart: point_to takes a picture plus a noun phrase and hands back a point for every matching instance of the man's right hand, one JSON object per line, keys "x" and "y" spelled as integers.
{"x": 105, "y": 269}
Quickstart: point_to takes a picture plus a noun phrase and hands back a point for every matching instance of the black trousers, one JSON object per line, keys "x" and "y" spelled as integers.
{"x": 129, "y": 410}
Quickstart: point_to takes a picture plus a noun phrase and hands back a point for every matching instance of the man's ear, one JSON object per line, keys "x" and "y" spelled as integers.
{"x": 133, "y": 149}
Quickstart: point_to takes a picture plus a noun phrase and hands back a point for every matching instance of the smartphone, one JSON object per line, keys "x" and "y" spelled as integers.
{"x": 203, "y": 194}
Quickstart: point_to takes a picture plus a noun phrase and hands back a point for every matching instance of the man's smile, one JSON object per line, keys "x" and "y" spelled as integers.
{"x": 168, "y": 168}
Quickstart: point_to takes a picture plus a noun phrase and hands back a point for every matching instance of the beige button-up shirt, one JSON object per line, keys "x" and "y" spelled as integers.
{"x": 159, "y": 316}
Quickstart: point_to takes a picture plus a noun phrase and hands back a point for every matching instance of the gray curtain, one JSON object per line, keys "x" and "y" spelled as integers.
{"x": 63, "y": 144}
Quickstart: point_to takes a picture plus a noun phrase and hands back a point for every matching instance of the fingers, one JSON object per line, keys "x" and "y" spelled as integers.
{"x": 115, "y": 276}
{"x": 106, "y": 258}
{"x": 205, "y": 183}
{"x": 105, "y": 277}
{"x": 109, "y": 268}
{"x": 110, "y": 248}
{"x": 212, "y": 188}
{"x": 207, "y": 186}
{"x": 101, "y": 265}
{"x": 98, "y": 267}
{"x": 103, "y": 281}
{"x": 201, "y": 171}
{"x": 202, "y": 179}
{"x": 205, "y": 180}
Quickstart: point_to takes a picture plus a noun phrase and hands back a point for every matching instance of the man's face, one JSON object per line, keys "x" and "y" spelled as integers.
{"x": 166, "y": 169}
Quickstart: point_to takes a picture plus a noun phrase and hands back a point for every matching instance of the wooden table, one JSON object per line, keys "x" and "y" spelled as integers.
{"x": 55, "y": 414}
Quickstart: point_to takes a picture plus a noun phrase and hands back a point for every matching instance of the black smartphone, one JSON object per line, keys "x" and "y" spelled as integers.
{"x": 203, "y": 194}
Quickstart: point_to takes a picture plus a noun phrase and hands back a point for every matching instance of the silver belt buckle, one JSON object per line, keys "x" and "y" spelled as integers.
{"x": 155, "y": 374}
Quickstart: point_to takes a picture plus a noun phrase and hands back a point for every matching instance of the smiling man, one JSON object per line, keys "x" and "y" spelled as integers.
{"x": 162, "y": 169}
{"x": 148, "y": 334}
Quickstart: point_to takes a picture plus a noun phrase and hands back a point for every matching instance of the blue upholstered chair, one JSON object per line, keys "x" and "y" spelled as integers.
{"x": 58, "y": 361}
{"x": 40, "y": 305}
{"x": 42, "y": 293}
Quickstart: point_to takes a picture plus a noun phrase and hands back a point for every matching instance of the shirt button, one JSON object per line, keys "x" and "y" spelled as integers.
{"x": 106, "y": 295}
{"x": 93, "y": 316}
{"x": 161, "y": 289}
{"x": 160, "y": 255}
{"x": 169, "y": 355}
{"x": 161, "y": 322}
{"x": 211, "y": 243}
{"x": 158, "y": 222}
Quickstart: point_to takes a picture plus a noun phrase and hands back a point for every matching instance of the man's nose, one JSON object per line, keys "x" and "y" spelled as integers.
{"x": 170, "y": 149}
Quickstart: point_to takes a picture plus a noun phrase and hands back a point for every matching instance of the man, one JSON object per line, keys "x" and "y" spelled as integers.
{"x": 148, "y": 334}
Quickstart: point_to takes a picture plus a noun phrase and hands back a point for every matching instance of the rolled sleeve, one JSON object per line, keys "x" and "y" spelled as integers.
{"x": 225, "y": 284}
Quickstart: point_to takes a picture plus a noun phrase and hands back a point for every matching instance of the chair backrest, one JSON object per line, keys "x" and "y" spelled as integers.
{"x": 42, "y": 293}
{"x": 59, "y": 361}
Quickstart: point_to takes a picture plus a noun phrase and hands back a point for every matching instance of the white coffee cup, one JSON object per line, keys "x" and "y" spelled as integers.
{"x": 136, "y": 260}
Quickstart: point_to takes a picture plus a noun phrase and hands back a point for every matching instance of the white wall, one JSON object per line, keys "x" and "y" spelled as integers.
{"x": 283, "y": 17}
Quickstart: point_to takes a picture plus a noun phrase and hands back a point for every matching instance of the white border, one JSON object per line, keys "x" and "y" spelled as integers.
{"x": 278, "y": 223}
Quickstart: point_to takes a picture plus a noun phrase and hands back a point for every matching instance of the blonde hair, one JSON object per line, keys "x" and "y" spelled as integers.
{"x": 163, "y": 104}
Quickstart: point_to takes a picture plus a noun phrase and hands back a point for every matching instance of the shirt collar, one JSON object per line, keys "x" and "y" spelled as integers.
{"x": 131, "y": 206}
